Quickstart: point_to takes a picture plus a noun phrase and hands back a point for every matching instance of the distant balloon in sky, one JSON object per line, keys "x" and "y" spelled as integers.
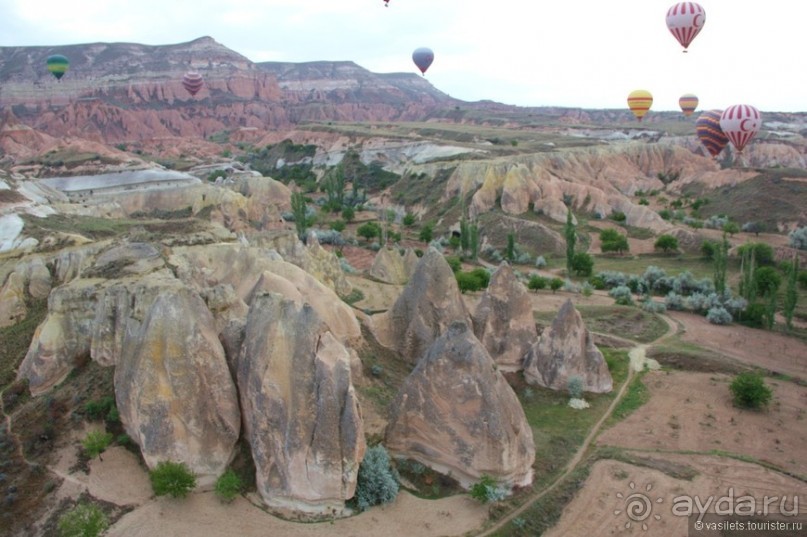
{"x": 192, "y": 81}
{"x": 639, "y": 102}
{"x": 685, "y": 20}
{"x": 386, "y": 3}
{"x": 57, "y": 65}
{"x": 740, "y": 122}
{"x": 709, "y": 132}
{"x": 423, "y": 58}
{"x": 688, "y": 103}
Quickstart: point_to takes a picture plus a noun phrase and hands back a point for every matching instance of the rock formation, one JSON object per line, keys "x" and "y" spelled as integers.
{"x": 391, "y": 266}
{"x": 173, "y": 388}
{"x": 30, "y": 277}
{"x": 503, "y": 320}
{"x": 429, "y": 303}
{"x": 566, "y": 349}
{"x": 456, "y": 414}
{"x": 301, "y": 413}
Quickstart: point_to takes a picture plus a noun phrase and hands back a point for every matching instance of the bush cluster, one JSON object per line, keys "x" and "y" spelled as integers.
{"x": 377, "y": 482}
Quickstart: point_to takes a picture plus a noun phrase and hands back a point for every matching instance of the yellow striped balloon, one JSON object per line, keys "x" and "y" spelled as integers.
{"x": 639, "y": 102}
{"x": 688, "y": 103}
{"x": 57, "y": 65}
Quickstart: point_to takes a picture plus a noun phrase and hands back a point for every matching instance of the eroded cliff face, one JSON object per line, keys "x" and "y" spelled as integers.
{"x": 596, "y": 180}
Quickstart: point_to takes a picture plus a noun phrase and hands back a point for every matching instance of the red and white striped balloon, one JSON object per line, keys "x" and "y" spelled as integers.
{"x": 192, "y": 82}
{"x": 685, "y": 21}
{"x": 740, "y": 122}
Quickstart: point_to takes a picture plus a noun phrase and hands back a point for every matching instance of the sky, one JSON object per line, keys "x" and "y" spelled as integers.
{"x": 570, "y": 53}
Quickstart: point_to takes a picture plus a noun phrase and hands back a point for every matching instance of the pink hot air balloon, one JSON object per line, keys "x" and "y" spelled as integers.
{"x": 685, "y": 20}
{"x": 740, "y": 123}
{"x": 192, "y": 81}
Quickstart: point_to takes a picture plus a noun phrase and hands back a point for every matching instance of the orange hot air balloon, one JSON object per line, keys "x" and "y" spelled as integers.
{"x": 688, "y": 103}
{"x": 639, "y": 102}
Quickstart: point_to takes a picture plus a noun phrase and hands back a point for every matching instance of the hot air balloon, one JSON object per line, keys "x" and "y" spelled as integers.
{"x": 57, "y": 65}
{"x": 685, "y": 20}
{"x": 192, "y": 81}
{"x": 386, "y": 3}
{"x": 688, "y": 103}
{"x": 423, "y": 58}
{"x": 709, "y": 132}
{"x": 740, "y": 122}
{"x": 639, "y": 102}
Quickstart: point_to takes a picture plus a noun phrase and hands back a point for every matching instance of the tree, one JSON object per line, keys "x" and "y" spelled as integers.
{"x": 582, "y": 264}
{"x": 172, "y": 478}
{"x": 798, "y": 238}
{"x": 409, "y": 220}
{"x": 749, "y": 391}
{"x": 426, "y": 232}
{"x": 376, "y": 483}
{"x": 570, "y": 233}
{"x": 369, "y": 230}
{"x": 487, "y": 491}
{"x": 510, "y": 254}
{"x": 84, "y": 520}
{"x": 748, "y": 288}
{"x": 555, "y": 284}
{"x": 96, "y": 443}
{"x": 731, "y": 228}
{"x": 300, "y": 212}
{"x": 763, "y": 253}
{"x": 612, "y": 241}
{"x": 228, "y": 486}
{"x": 791, "y": 294}
{"x": 767, "y": 280}
{"x": 666, "y": 243}
{"x": 720, "y": 257}
{"x": 473, "y": 240}
{"x": 537, "y": 282}
{"x": 348, "y": 214}
{"x": 334, "y": 186}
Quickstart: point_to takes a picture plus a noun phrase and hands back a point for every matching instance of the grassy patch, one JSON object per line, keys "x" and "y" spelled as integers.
{"x": 672, "y": 265}
{"x": 626, "y": 321}
{"x": 636, "y": 395}
{"x": 90, "y": 226}
{"x": 679, "y": 354}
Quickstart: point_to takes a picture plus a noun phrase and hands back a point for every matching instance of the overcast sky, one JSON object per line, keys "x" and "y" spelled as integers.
{"x": 577, "y": 53}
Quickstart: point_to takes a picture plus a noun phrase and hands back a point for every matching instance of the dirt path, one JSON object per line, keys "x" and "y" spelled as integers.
{"x": 637, "y": 359}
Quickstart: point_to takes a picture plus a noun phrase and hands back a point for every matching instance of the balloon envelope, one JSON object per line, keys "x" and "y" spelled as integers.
{"x": 639, "y": 102}
{"x": 423, "y": 58}
{"x": 740, "y": 122}
{"x": 709, "y": 132}
{"x": 688, "y": 103}
{"x": 57, "y": 65}
{"x": 685, "y": 20}
{"x": 192, "y": 81}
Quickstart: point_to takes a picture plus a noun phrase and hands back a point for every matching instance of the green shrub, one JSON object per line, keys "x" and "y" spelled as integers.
{"x": 666, "y": 243}
{"x": 475, "y": 280}
{"x": 369, "y": 230}
{"x": 487, "y": 491}
{"x": 426, "y": 233}
{"x": 228, "y": 486}
{"x": 454, "y": 262}
{"x": 99, "y": 409}
{"x": 575, "y": 387}
{"x": 376, "y": 483}
{"x": 338, "y": 225}
{"x": 537, "y": 282}
{"x": 409, "y": 220}
{"x": 582, "y": 264}
{"x": 173, "y": 479}
{"x": 618, "y": 216}
{"x": 767, "y": 280}
{"x": 555, "y": 284}
{"x": 96, "y": 443}
{"x": 763, "y": 253}
{"x": 348, "y": 214}
{"x": 802, "y": 277}
{"x": 749, "y": 390}
{"x": 753, "y": 315}
{"x": 84, "y": 520}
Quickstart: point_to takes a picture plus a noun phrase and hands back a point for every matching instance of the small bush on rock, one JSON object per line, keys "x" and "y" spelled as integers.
{"x": 172, "y": 478}
{"x": 84, "y": 520}
{"x": 377, "y": 482}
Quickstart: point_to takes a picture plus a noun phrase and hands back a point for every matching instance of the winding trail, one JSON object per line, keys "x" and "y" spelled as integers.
{"x": 637, "y": 358}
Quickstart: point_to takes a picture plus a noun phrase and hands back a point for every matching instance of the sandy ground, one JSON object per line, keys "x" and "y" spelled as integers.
{"x": 598, "y": 511}
{"x": 761, "y": 348}
{"x": 694, "y": 412}
{"x": 208, "y": 517}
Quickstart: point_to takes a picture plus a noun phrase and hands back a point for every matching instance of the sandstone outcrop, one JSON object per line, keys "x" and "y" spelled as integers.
{"x": 63, "y": 340}
{"x": 503, "y": 319}
{"x": 456, "y": 414}
{"x": 173, "y": 388}
{"x": 429, "y": 303}
{"x": 28, "y": 278}
{"x": 301, "y": 413}
{"x": 391, "y": 266}
{"x": 566, "y": 349}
